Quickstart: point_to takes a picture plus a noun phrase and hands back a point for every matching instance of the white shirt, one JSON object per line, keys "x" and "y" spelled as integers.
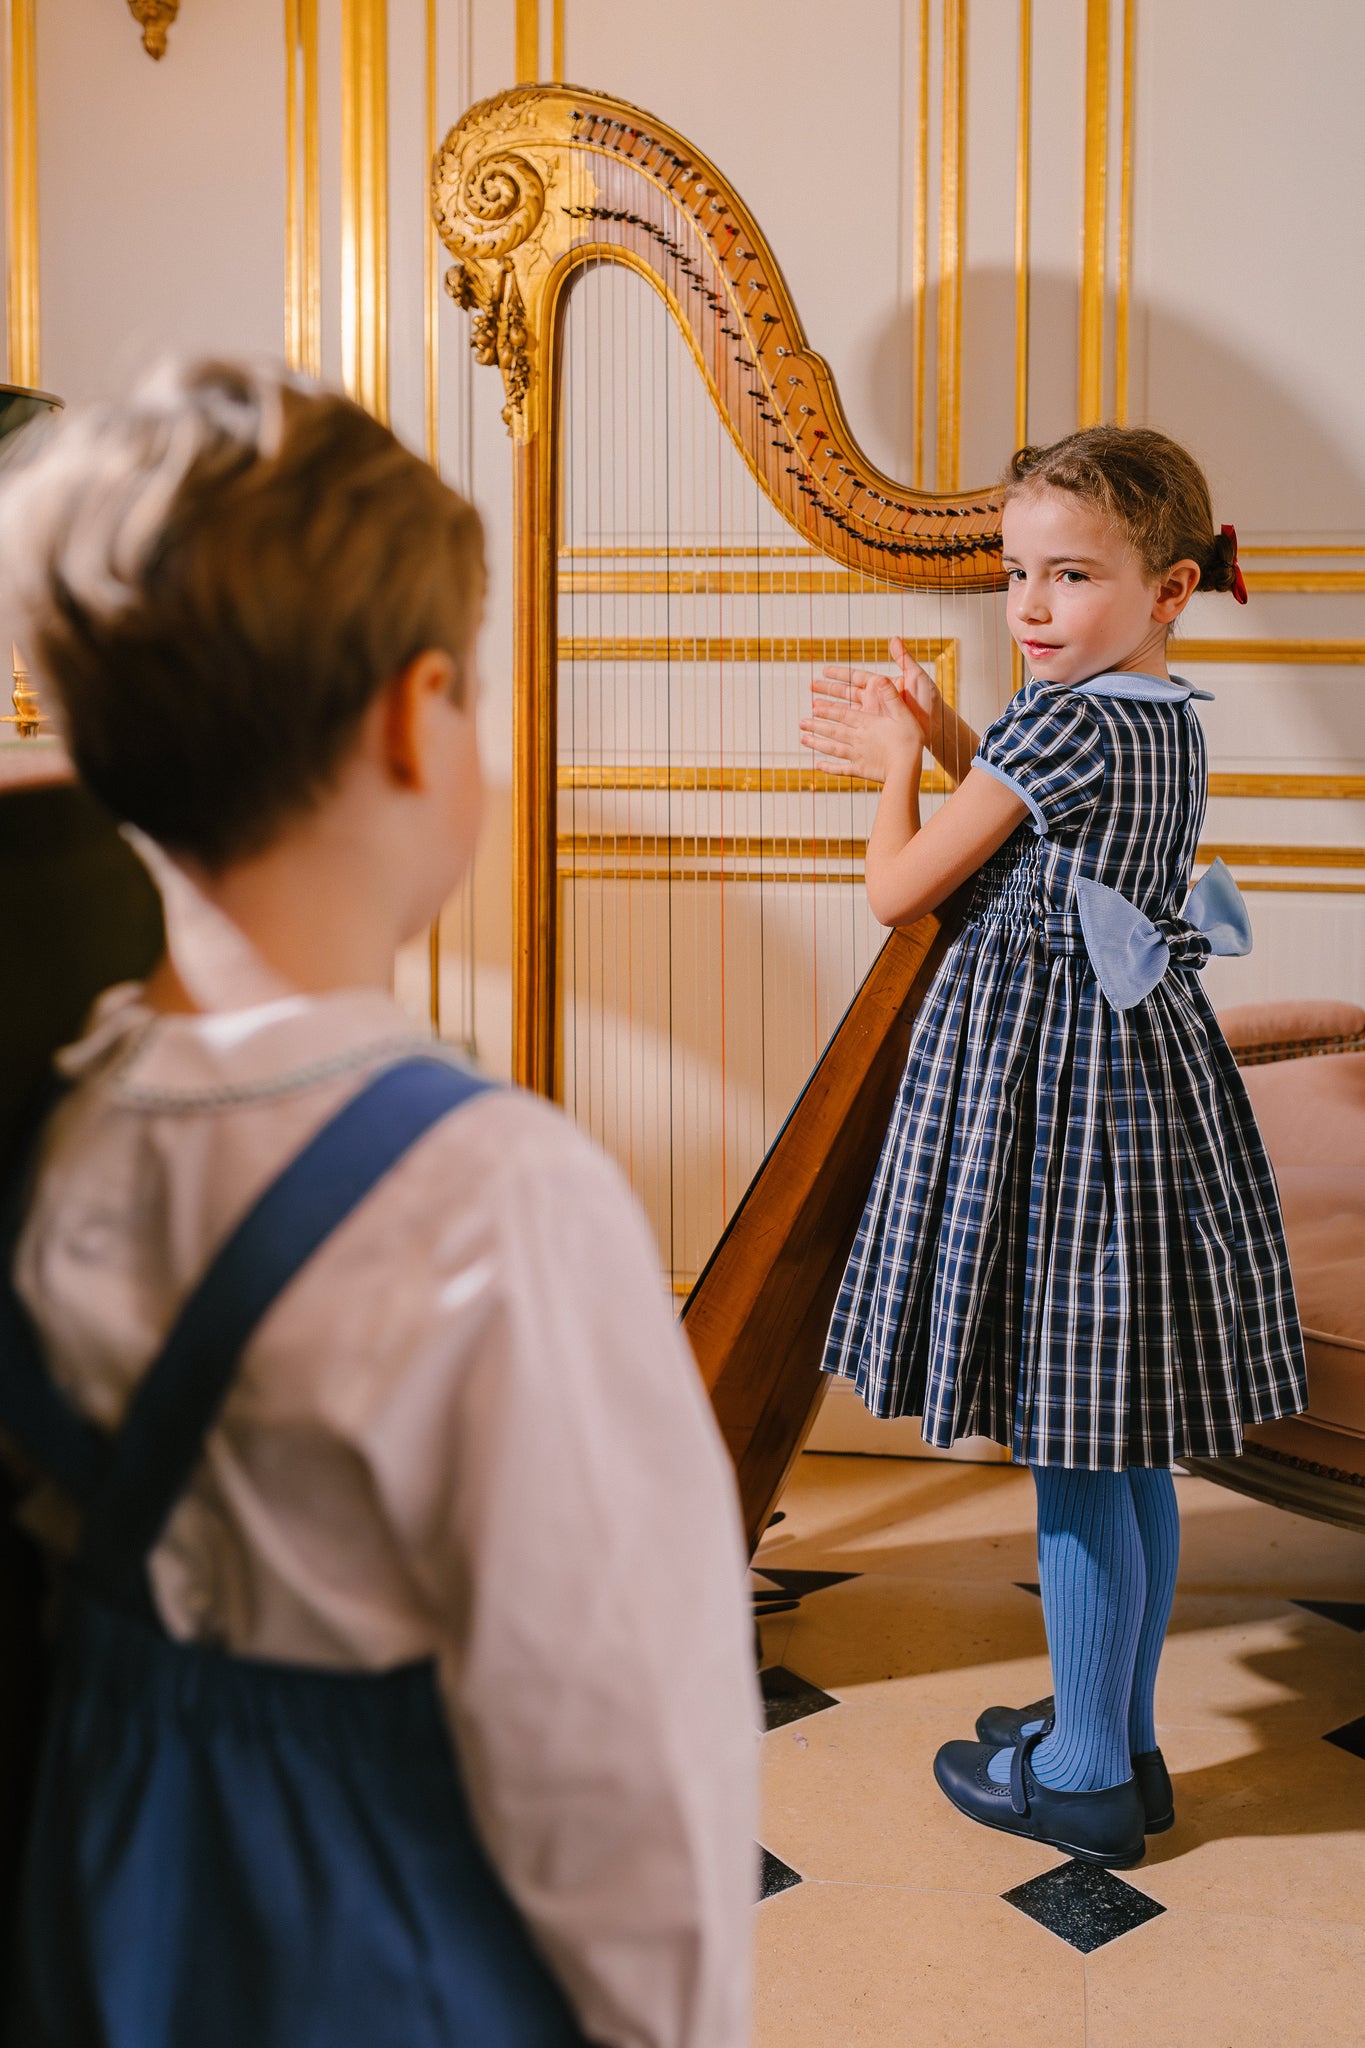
{"x": 470, "y": 1430}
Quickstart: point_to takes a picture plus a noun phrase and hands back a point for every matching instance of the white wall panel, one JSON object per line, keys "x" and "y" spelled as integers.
{"x": 161, "y": 188}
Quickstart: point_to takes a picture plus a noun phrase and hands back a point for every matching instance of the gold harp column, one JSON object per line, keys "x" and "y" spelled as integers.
{"x": 535, "y": 751}
{"x": 1090, "y": 381}
{"x": 303, "y": 190}
{"x": 950, "y": 243}
{"x": 21, "y": 284}
{"x": 365, "y": 204}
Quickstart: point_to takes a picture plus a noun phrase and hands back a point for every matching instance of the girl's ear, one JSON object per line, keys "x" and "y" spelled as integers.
{"x": 1174, "y": 591}
{"x": 409, "y": 703}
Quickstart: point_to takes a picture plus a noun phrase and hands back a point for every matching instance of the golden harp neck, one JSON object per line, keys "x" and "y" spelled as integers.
{"x": 533, "y": 186}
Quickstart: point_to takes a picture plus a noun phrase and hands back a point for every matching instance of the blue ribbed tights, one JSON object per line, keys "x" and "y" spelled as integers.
{"x": 1108, "y": 1546}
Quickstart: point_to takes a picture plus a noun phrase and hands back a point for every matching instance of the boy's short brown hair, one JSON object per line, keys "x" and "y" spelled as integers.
{"x": 217, "y": 576}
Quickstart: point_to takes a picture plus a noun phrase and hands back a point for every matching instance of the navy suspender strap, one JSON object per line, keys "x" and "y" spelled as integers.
{"x": 149, "y": 1463}
{"x": 178, "y": 1399}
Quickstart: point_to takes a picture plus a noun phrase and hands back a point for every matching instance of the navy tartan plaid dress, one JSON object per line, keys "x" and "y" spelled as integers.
{"x": 1073, "y": 1242}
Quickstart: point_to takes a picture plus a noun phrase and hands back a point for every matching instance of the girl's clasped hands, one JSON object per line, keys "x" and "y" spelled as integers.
{"x": 867, "y": 724}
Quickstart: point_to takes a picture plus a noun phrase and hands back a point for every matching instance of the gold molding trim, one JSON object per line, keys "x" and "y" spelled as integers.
{"x": 822, "y": 847}
{"x": 1263, "y": 856}
{"x": 1320, "y": 788}
{"x": 781, "y": 651}
{"x": 431, "y": 263}
{"x": 154, "y": 18}
{"x": 683, "y": 869}
{"x": 724, "y": 583}
{"x": 1286, "y": 653}
{"x": 839, "y": 582}
{"x": 1090, "y": 368}
{"x": 1322, "y": 582}
{"x": 1123, "y": 288}
{"x": 649, "y": 775}
{"x": 1023, "y": 143}
{"x": 303, "y": 191}
{"x": 528, "y": 42}
{"x": 365, "y": 204}
{"x": 21, "y": 212}
{"x": 658, "y": 775}
{"x": 919, "y": 253}
{"x": 952, "y": 195}
{"x": 1300, "y": 552}
{"x": 1250, "y": 884}
{"x": 557, "y": 41}
{"x": 675, "y": 553}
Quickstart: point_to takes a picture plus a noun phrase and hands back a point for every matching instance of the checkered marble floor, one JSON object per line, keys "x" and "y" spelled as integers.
{"x": 897, "y": 1598}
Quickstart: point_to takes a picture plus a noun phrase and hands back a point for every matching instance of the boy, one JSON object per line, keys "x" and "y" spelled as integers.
{"x": 467, "y": 1437}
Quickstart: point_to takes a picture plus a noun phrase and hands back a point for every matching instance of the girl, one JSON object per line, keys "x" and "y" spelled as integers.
{"x": 1073, "y": 1241}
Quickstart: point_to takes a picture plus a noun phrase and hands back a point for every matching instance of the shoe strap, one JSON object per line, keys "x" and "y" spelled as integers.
{"x": 1018, "y": 1764}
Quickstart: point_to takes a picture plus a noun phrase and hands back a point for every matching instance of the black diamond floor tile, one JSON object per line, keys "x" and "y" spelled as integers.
{"x": 789, "y": 1698}
{"x": 1350, "y": 1613}
{"x": 798, "y": 1584}
{"x": 1030, "y": 1586}
{"x": 1351, "y": 1737}
{"x": 1085, "y": 1905}
{"x": 775, "y": 1876}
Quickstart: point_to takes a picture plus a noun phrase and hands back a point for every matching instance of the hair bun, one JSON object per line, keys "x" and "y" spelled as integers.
{"x": 1218, "y": 570}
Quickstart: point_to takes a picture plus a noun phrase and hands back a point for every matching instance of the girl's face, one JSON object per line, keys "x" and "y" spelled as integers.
{"x": 1080, "y": 602}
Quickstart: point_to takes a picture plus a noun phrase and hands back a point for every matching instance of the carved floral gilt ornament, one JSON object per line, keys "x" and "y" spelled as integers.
{"x": 154, "y": 17}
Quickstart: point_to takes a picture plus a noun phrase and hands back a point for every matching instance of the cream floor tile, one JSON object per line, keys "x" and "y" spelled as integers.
{"x": 1283, "y": 1834}
{"x": 867, "y": 1513}
{"x": 849, "y": 1795}
{"x": 851, "y": 1966}
{"x": 945, "y": 1642}
{"x": 1195, "y": 1980}
{"x": 898, "y": 1933}
{"x": 1229, "y": 1542}
{"x": 887, "y": 1514}
{"x": 1282, "y": 1674}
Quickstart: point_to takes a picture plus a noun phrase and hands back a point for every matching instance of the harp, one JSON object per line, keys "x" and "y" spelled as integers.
{"x": 696, "y": 531}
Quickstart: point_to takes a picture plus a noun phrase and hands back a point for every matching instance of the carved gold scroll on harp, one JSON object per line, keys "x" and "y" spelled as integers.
{"x": 533, "y": 190}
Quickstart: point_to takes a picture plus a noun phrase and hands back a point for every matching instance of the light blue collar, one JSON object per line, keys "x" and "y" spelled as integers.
{"x": 1145, "y": 689}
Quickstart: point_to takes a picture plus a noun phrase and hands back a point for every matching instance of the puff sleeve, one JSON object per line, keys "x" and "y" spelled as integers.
{"x": 1048, "y": 748}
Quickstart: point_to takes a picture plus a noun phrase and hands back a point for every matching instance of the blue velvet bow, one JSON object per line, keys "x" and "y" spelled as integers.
{"x": 1130, "y": 954}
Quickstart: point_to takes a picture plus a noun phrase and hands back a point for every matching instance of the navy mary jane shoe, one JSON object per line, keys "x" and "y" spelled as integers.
{"x": 1003, "y": 1728}
{"x": 1095, "y": 1827}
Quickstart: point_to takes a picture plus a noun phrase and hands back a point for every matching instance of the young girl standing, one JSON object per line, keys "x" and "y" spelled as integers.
{"x": 1073, "y": 1241}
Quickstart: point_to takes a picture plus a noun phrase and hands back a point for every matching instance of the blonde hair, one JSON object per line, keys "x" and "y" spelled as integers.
{"x": 1143, "y": 483}
{"x": 217, "y": 576}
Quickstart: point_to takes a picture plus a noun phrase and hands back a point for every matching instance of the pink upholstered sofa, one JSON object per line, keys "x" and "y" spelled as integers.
{"x": 1304, "y": 1067}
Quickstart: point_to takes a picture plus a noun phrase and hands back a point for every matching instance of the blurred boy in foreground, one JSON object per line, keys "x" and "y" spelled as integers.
{"x": 405, "y": 1690}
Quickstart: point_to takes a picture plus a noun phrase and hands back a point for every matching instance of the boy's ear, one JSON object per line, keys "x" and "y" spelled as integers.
{"x": 1175, "y": 590}
{"x": 408, "y": 702}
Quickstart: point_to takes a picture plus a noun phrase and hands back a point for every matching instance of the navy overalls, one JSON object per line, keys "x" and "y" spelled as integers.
{"x": 226, "y": 1852}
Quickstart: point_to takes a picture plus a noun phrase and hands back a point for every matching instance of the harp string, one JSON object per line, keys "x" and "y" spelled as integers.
{"x": 714, "y": 921}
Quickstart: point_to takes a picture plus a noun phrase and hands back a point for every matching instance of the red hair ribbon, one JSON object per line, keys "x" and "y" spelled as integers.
{"x": 1239, "y": 587}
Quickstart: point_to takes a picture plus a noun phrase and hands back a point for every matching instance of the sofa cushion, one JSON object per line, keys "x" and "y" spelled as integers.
{"x": 1302, "y": 1023}
{"x": 1311, "y": 1112}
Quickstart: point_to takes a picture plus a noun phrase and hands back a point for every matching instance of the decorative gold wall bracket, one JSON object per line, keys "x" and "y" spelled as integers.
{"x": 28, "y": 716}
{"x": 154, "y": 18}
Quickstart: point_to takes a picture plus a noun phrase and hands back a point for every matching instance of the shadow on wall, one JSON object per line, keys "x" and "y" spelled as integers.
{"x": 1275, "y": 465}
